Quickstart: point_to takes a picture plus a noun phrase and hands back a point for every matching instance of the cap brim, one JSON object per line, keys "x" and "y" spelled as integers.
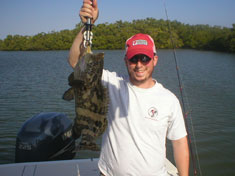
{"x": 136, "y": 52}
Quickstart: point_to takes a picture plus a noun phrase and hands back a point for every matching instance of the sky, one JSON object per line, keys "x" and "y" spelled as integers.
{"x": 30, "y": 17}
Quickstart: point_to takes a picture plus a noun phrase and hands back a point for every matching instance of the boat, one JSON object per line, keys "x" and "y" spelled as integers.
{"x": 45, "y": 147}
{"x": 74, "y": 167}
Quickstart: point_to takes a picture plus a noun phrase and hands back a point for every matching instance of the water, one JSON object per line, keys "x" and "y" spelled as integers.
{"x": 33, "y": 82}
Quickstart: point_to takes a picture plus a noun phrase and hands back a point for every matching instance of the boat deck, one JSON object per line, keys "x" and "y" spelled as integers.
{"x": 76, "y": 167}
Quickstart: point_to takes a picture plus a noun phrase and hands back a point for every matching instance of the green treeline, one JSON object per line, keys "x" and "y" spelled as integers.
{"x": 114, "y": 35}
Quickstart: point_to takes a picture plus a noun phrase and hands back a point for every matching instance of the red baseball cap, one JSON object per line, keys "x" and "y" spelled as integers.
{"x": 140, "y": 44}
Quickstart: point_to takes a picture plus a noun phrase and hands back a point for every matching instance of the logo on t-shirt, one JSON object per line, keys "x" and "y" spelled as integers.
{"x": 152, "y": 112}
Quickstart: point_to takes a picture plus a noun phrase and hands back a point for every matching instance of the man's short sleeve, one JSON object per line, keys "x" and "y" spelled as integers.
{"x": 176, "y": 128}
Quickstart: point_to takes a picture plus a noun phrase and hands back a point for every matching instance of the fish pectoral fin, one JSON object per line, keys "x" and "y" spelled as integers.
{"x": 69, "y": 94}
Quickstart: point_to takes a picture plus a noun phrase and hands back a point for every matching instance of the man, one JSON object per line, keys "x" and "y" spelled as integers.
{"x": 142, "y": 113}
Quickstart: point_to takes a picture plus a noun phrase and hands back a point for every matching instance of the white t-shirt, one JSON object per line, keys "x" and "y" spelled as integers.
{"x": 139, "y": 120}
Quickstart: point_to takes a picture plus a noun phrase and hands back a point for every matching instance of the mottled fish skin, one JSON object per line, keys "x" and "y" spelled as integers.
{"x": 91, "y": 100}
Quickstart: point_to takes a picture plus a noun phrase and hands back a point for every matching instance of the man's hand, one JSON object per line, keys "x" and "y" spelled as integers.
{"x": 89, "y": 10}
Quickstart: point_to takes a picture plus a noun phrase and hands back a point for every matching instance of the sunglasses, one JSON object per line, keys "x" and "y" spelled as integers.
{"x": 142, "y": 58}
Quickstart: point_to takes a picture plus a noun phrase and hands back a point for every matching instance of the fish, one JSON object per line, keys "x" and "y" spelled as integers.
{"x": 91, "y": 100}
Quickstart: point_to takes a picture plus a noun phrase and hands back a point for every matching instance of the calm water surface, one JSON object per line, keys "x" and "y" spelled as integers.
{"x": 34, "y": 82}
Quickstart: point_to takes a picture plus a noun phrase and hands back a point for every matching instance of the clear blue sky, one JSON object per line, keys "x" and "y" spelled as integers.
{"x": 30, "y": 17}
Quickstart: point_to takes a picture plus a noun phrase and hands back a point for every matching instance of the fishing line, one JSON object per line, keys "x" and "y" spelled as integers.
{"x": 185, "y": 114}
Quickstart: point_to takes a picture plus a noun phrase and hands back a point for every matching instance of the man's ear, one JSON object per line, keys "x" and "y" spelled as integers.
{"x": 155, "y": 60}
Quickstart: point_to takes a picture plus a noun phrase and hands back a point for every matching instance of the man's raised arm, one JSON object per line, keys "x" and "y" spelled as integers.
{"x": 89, "y": 9}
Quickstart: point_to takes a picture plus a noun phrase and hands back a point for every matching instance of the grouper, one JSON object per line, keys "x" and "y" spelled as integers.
{"x": 91, "y": 100}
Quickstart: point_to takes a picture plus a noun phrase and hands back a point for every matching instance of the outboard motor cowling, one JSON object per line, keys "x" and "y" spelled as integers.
{"x": 45, "y": 137}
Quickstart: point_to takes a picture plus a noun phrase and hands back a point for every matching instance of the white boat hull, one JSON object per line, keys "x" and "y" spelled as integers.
{"x": 76, "y": 167}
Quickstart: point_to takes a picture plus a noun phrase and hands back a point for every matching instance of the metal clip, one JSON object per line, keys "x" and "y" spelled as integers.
{"x": 88, "y": 36}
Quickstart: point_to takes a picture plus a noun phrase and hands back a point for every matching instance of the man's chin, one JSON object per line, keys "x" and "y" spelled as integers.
{"x": 139, "y": 80}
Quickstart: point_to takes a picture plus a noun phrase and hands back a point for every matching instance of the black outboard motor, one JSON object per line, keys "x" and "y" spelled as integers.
{"x": 45, "y": 137}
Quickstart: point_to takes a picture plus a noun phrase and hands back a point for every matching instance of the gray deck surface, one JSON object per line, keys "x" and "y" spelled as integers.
{"x": 76, "y": 167}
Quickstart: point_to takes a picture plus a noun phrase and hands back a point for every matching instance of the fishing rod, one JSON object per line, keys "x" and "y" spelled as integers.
{"x": 182, "y": 99}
